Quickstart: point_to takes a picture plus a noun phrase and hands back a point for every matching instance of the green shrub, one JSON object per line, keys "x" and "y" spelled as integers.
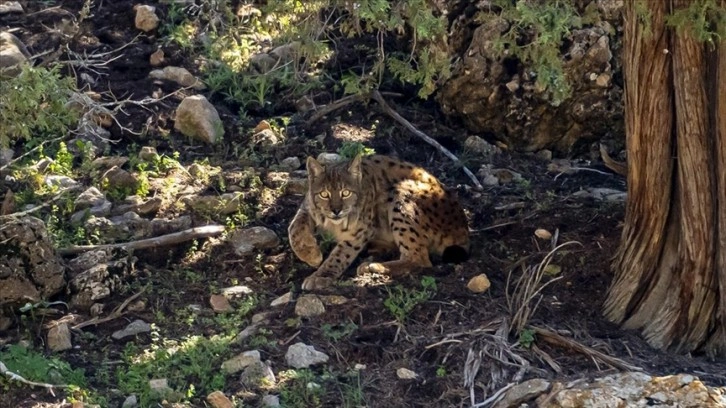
{"x": 33, "y": 105}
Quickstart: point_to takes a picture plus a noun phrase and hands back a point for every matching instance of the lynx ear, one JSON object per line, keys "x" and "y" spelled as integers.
{"x": 315, "y": 169}
{"x": 354, "y": 166}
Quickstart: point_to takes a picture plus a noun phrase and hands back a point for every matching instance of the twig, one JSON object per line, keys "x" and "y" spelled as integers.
{"x": 494, "y": 397}
{"x": 168, "y": 239}
{"x": 558, "y": 340}
{"x": 400, "y": 119}
{"x": 4, "y": 370}
{"x": 325, "y": 109}
{"x": 117, "y": 312}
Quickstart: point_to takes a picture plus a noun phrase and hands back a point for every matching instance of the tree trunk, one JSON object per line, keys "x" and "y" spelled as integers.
{"x": 670, "y": 269}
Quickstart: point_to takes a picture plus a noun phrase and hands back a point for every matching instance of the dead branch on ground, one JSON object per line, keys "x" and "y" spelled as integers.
{"x": 16, "y": 377}
{"x": 162, "y": 240}
{"x": 115, "y": 314}
{"x": 558, "y": 340}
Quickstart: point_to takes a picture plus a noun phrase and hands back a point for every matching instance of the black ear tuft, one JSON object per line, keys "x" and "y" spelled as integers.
{"x": 455, "y": 254}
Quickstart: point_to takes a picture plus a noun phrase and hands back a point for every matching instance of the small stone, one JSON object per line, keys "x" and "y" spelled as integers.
{"x": 6, "y": 154}
{"x": 262, "y": 62}
{"x": 329, "y": 158}
{"x": 282, "y": 300}
{"x": 603, "y": 80}
{"x": 542, "y": 233}
{"x": 512, "y": 85}
{"x": 479, "y": 283}
{"x": 291, "y": 163}
{"x": 130, "y": 402}
{"x": 132, "y": 329}
{"x": 287, "y": 52}
{"x": 178, "y": 75}
{"x": 267, "y": 138}
{"x": 59, "y": 338}
{"x": 490, "y": 180}
{"x": 60, "y": 181}
{"x": 248, "y": 332}
{"x": 89, "y": 198}
{"x": 157, "y": 58}
{"x": 96, "y": 309}
{"x": 257, "y": 374}
{"x": 11, "y": 7}
{"x": 271, "y": 401}
{"x": 249, "y": 240}
{"x": 197, "y": 118}
{"x": 217, "y": 399}
{"x": 544, "y": 154}
{"x": 148, "y": 154}
{"x": 241, "y": 361}
{"x": 300, "y": 355}
{"x": 119, "y": 178}
{"x": 334, "y": 300}
{"x": 260, "y": 317}
{"x": 236, "y": 291}
{"x": 137, "y": 306}
{"x": 406, "y": 374}
{"x": 507, "y": 176}
{"x": 146, "y": 18}
{"x": 309, "y": 306}
{"x": 304, "y": 104}
{"x": 160, "y": 387}
{"x": 523, "y": 393}
{"x": 220, "y": 304}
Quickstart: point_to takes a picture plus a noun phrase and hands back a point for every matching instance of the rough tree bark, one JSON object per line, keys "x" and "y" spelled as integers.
{"x": 670, "y": 269}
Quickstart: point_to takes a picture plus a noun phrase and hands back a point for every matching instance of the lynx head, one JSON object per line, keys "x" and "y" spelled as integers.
{"x": 334, "y": 189}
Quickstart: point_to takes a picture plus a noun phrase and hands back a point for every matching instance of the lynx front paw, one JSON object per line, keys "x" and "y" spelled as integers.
{"x": 314, "y": 282}
{"x": 308, "y": 253}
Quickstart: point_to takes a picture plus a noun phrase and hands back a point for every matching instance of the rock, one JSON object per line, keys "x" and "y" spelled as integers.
{"x": 96, "y": 309}
{"x": 304, "y": 104}
{"x": 290, "y": 163}
{"x": 542, "y": 233}
{"x": 130, "y": 402}
{"x": 132, "y": 329}
{"x": 6, "y": 154}
{"x": 89, "y": 198}
{"x": 59, "y": 338}
{"x": 11, "y": 7}
{"x": 300, "y": 355}
{"x": 120, "y": 179}
{"x": 30, "y": 270}
{"x": 490, "y": 95}
{"x": 506, "y": 176}
{"x": 267, "y": 139}
{"x": 241, "y": 361}
{"x": 271, "y": 401}
{"x": 329, "y": 158}
{"x": 523, "y": 393}
{"x": 148, "y": 154}
{"x": 262, "y": 63}
{"x": 406, "y": 374}
{"x": 479, "y": 283}
{"x": 146, "y": 18}
{"x": 634, "y": 389}
{"x": 276, "y": 179}
{"x": 334, "y": 300}
{"x": 282, "y": 300}
{"x": 262, "y": 317}
{"x": 197, "y": 118}
{"x": 120, "y": 228}
{"x": 13, "y": 55}
{"x": 217, "y": 399}
{"x": 602, "y": 194}
{"x": 287, "y": 53}
{"x": 52, "y": 180}
{"x": 478, "y": 145}
{"x": 236, "y": 291}
{"x": 248, "y": 332}
{"x": 296, "y": 186}
{"x": 309, "y": 306}
{"x": 180, "y": 76}
{"x": 108, "y": 162}
{"x": 248, "y": 240}
{"x": 160, "y": 388}
{"x": 220, "y": 304}
{"x": 256, "y": 374}
{"x": 157, "y": 58}
{"x": 544, "y": 154}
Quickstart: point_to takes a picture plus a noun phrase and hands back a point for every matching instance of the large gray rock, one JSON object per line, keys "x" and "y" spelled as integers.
{"x": 497, "y": 94}
{"x": 197, "y": 118}
{"x": 13, "y": 55}
{"x": 30, "y": 270}
{"x": 300, "y": 355}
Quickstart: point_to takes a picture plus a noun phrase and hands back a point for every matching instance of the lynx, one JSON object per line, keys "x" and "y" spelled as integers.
{"x": 379, "y": 203}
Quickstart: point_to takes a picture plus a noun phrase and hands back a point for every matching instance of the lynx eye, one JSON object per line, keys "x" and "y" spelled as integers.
{"x": 324, "y": 195}
{"x": 345, "y": 193}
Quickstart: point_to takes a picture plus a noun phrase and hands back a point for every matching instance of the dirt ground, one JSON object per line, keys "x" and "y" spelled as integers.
{"x": 438, "y": 334}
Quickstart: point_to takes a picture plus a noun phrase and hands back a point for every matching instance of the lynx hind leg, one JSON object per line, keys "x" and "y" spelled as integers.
{"x": 412, "y": 245}
{"x": 301, "y": 234}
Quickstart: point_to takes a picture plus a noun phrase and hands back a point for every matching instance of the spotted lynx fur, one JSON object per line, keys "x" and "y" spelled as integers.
{"x": 381, "y": 203}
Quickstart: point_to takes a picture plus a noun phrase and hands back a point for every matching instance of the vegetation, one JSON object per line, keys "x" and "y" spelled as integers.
{"x": 401, "y": 301}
